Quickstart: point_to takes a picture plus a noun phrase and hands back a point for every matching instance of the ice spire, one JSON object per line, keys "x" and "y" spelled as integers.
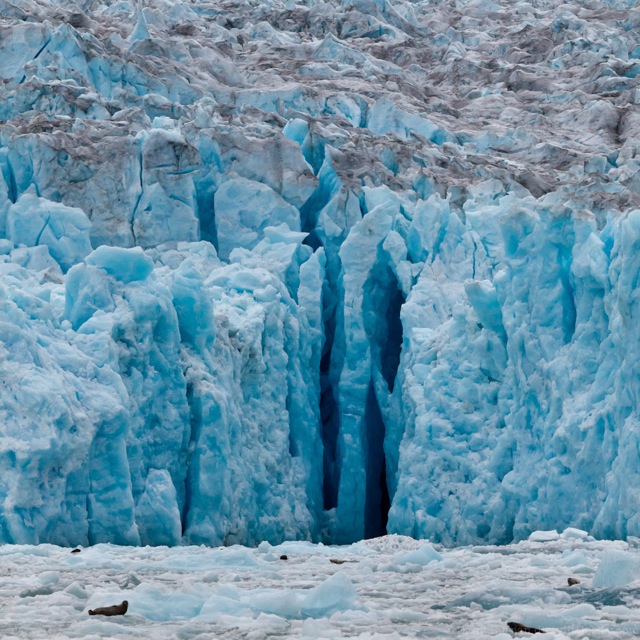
{"x": 140, "y": 31}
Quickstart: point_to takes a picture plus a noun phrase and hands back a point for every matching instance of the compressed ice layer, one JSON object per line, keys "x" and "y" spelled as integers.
{"x": 33, "y": 221}
{"x": 157, "y": 514}
{"x": 125, "y": 265}
{"x": 153, "y": 432}
{"x": 349, "y": 276}
{"x": 244, "y": 208}
{"x": 516, "y": 402}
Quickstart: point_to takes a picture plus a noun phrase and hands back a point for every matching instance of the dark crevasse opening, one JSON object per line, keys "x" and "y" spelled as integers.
{"x": 329, "y": 408}
{"x": 310, "y": 210}
{"x": 206, "y": 212}
{"x": 195, "y": 418}
{"x": 328, "y": 186}
{"x": 391, "y": 348}
{"x": 377, "y": 501}
{"x": 383, "y": 300}
{"x": 568, "y": 298}
{"x": 312, "y": 240}
{"x": 382, "y": 305}
{"x": 9, "y": 176}
{"x": 329, "y": 411}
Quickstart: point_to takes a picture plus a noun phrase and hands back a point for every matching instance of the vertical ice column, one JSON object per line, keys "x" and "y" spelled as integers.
{"x": 358, "y": 254}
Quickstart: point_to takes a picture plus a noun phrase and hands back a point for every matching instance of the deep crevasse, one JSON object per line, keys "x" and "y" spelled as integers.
{"x": 270, "y": 270}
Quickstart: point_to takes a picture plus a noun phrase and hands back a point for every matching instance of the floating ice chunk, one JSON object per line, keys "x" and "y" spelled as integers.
{"x": 616, "y": 569}
{"x": 279, "y": 602}
{"x": 544, "y": 536}
{"x": 64, "y": 230}
{"x": 299, "y": 547}
{"x": 422, "y": 556}
{"x": 388, "y": 544}
{"x": 490, "y": 596}
{"x": 569, "y": 617}
{"x": 49, "y": 577}
{"x": 574, "y": 534}
{"x": 77, "y": 590}
{"x": 320, "y": 629}
{"x": 126, "y": 265}
{"x": 155, "y": 603}
{"x": 101, "y": 627}
{"x": 335, "y": 594}
{"x": 225, "y": 603}
{"x": 575, "y": 559}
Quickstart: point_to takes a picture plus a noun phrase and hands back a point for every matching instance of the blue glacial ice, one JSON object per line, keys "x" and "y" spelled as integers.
{"x": 318, "y": 271}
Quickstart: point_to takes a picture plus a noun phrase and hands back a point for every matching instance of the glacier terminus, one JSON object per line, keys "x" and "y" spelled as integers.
{"x": 318, "y": 270}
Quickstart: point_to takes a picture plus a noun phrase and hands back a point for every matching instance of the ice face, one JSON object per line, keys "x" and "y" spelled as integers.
{"x": 319, "y": 271}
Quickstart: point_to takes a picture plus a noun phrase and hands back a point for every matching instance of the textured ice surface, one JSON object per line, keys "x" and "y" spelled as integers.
{"x": 617, "y": 569}
{"x": 33, "y": 221}
{"x": 228, "y": 593}
{"x": 318, "y": 270}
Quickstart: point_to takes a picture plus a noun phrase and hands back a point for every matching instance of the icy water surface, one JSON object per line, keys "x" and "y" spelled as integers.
{"x": 390, "y": 587}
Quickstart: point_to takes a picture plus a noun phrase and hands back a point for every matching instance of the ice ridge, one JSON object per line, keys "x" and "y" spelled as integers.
{"x": 318, "y": 270}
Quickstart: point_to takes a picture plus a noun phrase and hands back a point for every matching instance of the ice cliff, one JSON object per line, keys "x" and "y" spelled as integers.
{"x": 320, "y": 270}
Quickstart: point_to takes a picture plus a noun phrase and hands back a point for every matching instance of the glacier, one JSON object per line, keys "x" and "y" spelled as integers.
{"x": 318, "y": 270}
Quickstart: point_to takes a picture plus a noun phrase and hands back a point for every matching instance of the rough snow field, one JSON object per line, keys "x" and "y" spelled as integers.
{"x": 390, "y": 587}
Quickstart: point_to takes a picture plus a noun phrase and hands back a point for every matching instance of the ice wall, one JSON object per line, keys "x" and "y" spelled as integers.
{"x": 318, "y": 270}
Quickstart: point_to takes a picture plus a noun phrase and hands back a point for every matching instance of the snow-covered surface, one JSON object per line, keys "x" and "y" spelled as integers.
{"x": 385, "y": 588}
{"x": 267, "y": 268}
